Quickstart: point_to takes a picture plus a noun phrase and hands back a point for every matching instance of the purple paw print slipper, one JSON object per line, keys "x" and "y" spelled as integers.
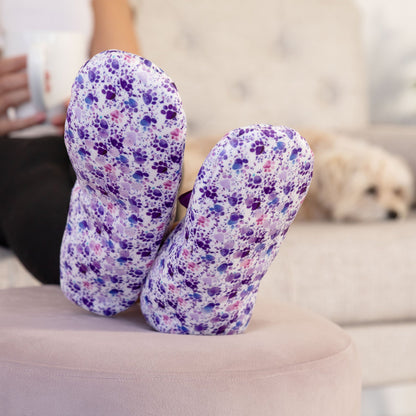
{"x": 247, "y": 193}
{"x": 125, "y": 135}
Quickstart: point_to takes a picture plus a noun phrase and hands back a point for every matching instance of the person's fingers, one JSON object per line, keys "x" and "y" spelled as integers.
{"x": 8, "y": 126}
{"x": 58, "y": 120}
{"x": 13, "y": 99}
{"x": 13, "y": 64}
{"x": 13, "y": 81}
{"x": 59, "y": 130}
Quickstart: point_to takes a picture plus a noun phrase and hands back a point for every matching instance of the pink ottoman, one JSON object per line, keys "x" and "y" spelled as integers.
{"x": 57, "y": 359}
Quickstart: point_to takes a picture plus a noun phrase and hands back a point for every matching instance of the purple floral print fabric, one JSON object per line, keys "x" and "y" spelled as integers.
{"x": 247, "y": 193}
{"x": 125, "y": 133}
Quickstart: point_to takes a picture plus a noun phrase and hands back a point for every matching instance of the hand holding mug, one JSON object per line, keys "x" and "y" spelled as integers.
{"x": 44, "y": 64}
{"x": 14, "y": 91}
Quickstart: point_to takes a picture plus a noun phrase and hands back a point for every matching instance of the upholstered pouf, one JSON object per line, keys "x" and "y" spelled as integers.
{"x": 57, "y": 359}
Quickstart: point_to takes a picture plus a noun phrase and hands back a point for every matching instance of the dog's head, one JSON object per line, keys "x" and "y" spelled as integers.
{"x": 360, "y": 182}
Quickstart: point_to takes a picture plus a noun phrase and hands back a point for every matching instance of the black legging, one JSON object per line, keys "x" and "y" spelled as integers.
{"x": 36, "y": 179}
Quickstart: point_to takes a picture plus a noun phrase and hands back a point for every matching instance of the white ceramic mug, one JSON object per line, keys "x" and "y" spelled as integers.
{"x": 53, "y": 59}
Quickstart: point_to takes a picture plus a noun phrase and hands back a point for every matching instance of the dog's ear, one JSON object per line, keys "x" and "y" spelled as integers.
{"x": 331, "y": 171}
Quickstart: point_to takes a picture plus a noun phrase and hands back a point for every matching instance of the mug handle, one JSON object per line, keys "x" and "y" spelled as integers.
{"x": 36, "y": 70}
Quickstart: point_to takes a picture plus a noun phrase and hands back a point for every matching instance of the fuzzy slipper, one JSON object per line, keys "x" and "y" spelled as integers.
{"x": 247, "y": 193}
{"x": 125, "y": 135}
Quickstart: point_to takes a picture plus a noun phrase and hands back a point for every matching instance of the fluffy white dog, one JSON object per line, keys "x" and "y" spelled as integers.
{"x": 356, "y": 181}
{"x": 353, "y": 180}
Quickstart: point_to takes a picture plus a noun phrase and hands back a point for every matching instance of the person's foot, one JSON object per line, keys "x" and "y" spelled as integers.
{"x": 247, "y": 193}
{"x": 125, "y": 135}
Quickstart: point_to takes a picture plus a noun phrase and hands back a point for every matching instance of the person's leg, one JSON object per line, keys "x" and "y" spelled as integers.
{"x": 35, "y": 188}
{"x": 125, "y": 135}
{"x": 247, "y": 193}
{"x": 3, "y": 242}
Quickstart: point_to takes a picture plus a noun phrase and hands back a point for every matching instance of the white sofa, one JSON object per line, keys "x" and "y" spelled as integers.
{"x": 299, "y": 63}
{"x": 303, "y": 63}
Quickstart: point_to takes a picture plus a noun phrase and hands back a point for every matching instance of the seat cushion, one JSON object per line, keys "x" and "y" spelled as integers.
{"x": 350, "y": 273}
{"x": 387, "y": 352}
{"x": 12, "y": 271}
{"x": 56, "y": 358}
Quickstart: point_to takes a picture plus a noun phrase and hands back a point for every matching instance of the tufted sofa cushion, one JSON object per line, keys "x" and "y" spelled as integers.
{"x": 288, "y": 62}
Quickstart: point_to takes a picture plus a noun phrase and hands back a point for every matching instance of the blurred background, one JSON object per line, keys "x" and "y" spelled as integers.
{"x": 344, "y": 65}
{"x": 389, "y": 36}
{"x": 322, "y": 63}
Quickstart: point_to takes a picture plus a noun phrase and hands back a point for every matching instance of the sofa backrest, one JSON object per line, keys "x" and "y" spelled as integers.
{"x": 293, "y": 62}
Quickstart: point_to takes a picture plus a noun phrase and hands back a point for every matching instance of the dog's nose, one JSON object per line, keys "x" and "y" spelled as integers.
{"x": 392, "y": 215}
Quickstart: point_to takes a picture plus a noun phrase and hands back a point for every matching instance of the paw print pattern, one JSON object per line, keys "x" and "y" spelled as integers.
{"x": 100, "y": 148}
{"x": 149, "y": 97}
{"x": 109, "y": 92}
{"x": 257, "y": 147}
{"x": 169, "y": 111}
{"x": 246, "y": 195}
{"x": 160, "y": 144}
{"x": 93, "y": 75}
{"x": 127, "y": 83}
{"x": 112, "y": 64}
{"x": 114, "y": 229}
{"x": 160, "y": 167}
